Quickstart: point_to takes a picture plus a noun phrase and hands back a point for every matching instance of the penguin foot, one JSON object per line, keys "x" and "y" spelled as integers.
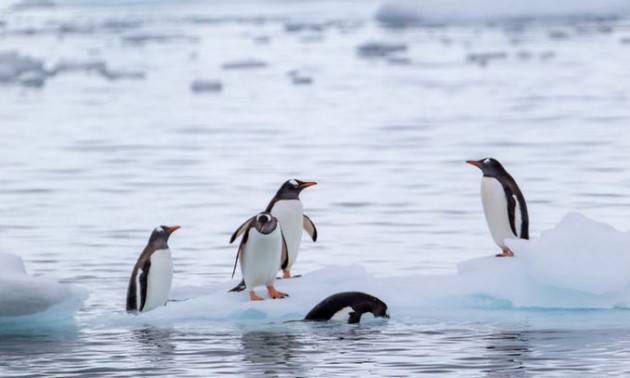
{"x": 286, "y": 274}
{"x": 275, "y": 294}
{"x": 506, "y": 253}
{"x": 254, "y": 297}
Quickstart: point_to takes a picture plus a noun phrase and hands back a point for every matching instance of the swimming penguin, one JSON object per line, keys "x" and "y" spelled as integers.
{"x": 260, "y": 251}
{"x": 348, "y": 306}
{"x": 287, "y": 207}
{"x": 150, "y": 282}
{"x": 503, "y": 204}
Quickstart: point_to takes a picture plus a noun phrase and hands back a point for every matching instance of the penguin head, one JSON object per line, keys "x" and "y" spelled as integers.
{"x": 291, "y": 188}
{"x": 489, "y": 166}
{"x": 379, "y": 308}
{"x": 159, "y": 236}
{"x": 265, "y": 223}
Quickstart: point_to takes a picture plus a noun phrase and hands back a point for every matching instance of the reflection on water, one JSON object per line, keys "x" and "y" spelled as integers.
{"x": 271, "y": 353}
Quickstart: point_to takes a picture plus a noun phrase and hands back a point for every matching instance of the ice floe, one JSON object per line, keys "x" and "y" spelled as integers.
{"x": 380, "y": 49}
{"x": 405, "y": 12}
{"x": 206, "y": 86}
{"x": 23, "y": 296}
{"x": 24, "y": 70}
{"x": 580, "y": 264}
{"x": 244, "y": 64}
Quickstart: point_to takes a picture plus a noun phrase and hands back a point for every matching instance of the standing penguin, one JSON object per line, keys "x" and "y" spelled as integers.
{"x": 503, "y": 204}
{"x": 287, "y": 207}
{"x": 260, "y": 251}
{"x": 150, "y": 282}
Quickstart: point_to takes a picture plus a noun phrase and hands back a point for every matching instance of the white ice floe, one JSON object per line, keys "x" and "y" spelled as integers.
{"x": 24, "y": 296}
{"x": 580, "y": 264}
{"x": 400, "y": 12}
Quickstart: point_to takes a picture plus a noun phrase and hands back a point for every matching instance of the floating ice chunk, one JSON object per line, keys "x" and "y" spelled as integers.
{"x": 99, "y": 67}
{"x": 405, "y": 12}
{"x": 483, "y": 58}
{"x": 244, "y": 64}
{"x": 580, "y": 264}
{"x": 579, "y": 254}
{"x": 26, "y": 4}
{"x": 206, "y": 86}
{"x": 14, "y": 67}
{"x": 143, "y": 39}
{"x": 297, "y": 78}
{"x": 22, "y": 294}
{"x": 380, "y": 49}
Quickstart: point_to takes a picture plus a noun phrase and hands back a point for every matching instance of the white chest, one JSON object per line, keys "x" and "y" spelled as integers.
{"x": 159, "y": 279}
{"x": 495, "y": 208}
{"x": 261, "y": 258}
{"x": 290, "y": 214}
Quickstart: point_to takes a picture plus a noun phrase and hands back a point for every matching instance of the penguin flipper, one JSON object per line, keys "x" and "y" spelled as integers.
{"x": 241, "y": 250}
{"x": 310, "y": 228}
{"x": 511, "y": 209}
{"x": 144, "y": 283}
{"x": 241, "y": 229}
{"x": 284, "y": 257}
{"x": 354, "y": 317}
{"x": 240, "y": 287}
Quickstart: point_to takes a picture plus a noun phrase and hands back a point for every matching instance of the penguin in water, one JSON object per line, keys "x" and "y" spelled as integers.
{"x": 348, "y": 306}
{"x": 150, "y": 282}
{"x": 260, "y": 251}
{"x": 503, "y": 204}
{"x": 287, "y": 207}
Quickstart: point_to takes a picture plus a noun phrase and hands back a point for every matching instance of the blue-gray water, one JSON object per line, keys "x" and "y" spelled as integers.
{"x": 107, "y": 140}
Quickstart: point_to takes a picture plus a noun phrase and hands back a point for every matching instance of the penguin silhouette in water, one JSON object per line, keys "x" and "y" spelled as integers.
{"x": 287, "y": 207}
{"x": 260, "y": 251}
{"x": 503, "y": 204}
{"x": 150, "y": 282}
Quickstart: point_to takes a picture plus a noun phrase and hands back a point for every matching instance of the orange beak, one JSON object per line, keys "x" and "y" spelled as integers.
{"x": 307, "y": 184}
{"x": 474, "y": 162}
{"x": 173, "y": 229}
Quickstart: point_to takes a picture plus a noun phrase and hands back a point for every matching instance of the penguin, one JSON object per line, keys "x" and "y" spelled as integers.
{"x": 287, "y": 207}
{"x": 348, "y": 306}
{"x": 150, "y": 282}
{"x": 503, "y": 204}
{"x": 260, "y": 251}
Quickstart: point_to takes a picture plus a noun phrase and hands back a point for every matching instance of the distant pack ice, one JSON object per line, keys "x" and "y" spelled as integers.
{"x": 414, "y": 11}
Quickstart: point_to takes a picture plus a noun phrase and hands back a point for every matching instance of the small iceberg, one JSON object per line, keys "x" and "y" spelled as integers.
{"x": 25, "y": 298}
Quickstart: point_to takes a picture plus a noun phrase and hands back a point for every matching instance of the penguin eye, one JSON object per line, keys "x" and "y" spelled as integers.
{"x": 293, "y": 183}
{"x": 487, "y": 161}
{"x": 159, "y": 229}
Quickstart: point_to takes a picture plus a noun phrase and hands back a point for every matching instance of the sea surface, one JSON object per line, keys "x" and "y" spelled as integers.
{"x": 119, "y": 116}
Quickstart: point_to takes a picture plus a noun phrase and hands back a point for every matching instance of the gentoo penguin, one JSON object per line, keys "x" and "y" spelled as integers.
{"x": 260, "y": 251}
{"x": 503, "y": 204}
{"x": 287, "y": 207}
{"x": 150, "y": 282}
{"x": 348, "y": 306}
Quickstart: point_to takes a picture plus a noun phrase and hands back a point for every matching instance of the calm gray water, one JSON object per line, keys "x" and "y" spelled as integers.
{"x": 108, "y": 140}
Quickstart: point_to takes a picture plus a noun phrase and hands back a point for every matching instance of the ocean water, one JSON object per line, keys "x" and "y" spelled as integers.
{"x": 103, "y": 137}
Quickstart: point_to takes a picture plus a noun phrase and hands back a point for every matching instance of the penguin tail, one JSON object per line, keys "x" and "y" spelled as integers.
{"x": 238, "y": 288}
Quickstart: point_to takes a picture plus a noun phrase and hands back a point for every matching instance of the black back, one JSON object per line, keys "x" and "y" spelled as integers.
{"x": 358, "y": 301}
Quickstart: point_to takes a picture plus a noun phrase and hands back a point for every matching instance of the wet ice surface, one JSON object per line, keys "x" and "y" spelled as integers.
{"x": 91, "y": 165}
